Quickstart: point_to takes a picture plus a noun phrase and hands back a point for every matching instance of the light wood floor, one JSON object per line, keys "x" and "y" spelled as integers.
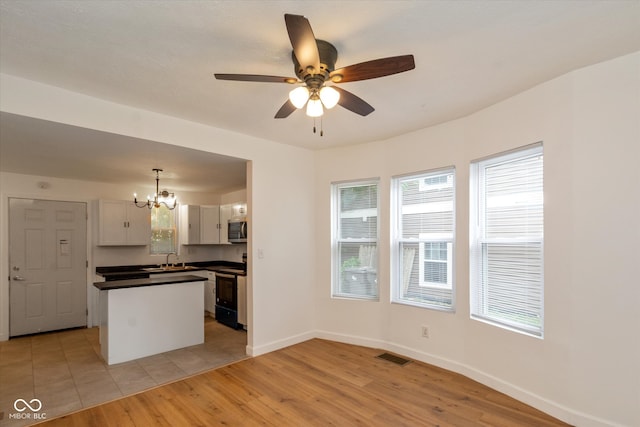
{"x": 316, "y": 383}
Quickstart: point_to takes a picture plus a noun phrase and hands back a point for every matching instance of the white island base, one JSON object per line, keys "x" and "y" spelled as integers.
{"x": 142, "y": 321}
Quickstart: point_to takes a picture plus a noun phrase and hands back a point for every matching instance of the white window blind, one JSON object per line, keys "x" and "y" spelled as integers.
{"x": 163, "y": 231}
{"x": 355, "y": 240}
{"x": 506, "y": 239}
{"x": 424, "y": 229}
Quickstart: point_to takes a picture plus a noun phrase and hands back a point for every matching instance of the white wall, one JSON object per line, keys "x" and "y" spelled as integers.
{"x": 280, "y": 284}
{"x": 586, "y": 368}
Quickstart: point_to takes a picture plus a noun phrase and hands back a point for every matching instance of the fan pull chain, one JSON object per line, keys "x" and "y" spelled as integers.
{"x": 314, "y": 126}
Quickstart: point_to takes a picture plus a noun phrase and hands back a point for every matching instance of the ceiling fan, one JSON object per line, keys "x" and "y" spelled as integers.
{"x": 314, "y": 64}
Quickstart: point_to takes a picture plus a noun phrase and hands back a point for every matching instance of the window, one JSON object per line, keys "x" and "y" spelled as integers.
{"x": 163, "y": 231}
{"x": 435, "y": 263}
{"x": 355, "y": 240}
{"x": 506, "y": 239}
{"x": 424, "y": 227}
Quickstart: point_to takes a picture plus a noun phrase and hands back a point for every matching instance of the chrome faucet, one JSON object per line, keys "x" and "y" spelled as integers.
{"x": 168, "y": 255}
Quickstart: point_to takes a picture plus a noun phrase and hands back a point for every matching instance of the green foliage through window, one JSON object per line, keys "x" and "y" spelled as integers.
{"x": 164, "y": 236}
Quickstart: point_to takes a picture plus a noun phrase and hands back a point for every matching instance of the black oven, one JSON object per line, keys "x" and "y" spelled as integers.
{"x": 227, "y": 300}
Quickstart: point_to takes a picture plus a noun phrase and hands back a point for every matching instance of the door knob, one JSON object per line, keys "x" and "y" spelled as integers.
{"x": 18, "y": 278}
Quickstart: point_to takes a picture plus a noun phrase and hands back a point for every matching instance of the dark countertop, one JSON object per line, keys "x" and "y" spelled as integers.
{"x": 228, "y": 270}
{"x": 150, "y": 281}
{"x": 126, "y": 272}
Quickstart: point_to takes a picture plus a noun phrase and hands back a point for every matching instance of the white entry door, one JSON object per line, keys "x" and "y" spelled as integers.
{"x": 48, "y": 265}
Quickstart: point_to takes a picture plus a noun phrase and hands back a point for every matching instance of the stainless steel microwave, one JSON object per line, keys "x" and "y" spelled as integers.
{"x": 238, "y": 230}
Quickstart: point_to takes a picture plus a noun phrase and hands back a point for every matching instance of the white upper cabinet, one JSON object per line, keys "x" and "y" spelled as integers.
{"x": 121, "y": 223}
{"x": 199, "y": 225}
{"x": 189, "y": 225}
{"x": 207, "y": 224}
{"x": 226, "y": 213}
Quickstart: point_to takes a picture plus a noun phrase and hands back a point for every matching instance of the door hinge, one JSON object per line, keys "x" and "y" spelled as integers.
{"x": 87, "y": 261}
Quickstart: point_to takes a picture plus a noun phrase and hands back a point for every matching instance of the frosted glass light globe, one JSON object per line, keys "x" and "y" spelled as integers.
{"x": 299, "y": 96}
{"x": 329, "y": 96}
{"x": 314, "y": 108}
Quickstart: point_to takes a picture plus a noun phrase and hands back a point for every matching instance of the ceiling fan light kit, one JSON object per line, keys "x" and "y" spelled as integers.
{"x": 315, "y": 100}
{"x": 314, "y": 64}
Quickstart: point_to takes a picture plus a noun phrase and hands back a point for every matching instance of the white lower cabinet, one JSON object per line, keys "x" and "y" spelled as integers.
{"x": 210, "y": 294}
{"x": 209, "y": 287}
{"x": 143, "y": 321}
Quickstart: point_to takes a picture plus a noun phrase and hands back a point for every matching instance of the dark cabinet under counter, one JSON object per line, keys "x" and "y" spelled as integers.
{"x": 227, "y": 317}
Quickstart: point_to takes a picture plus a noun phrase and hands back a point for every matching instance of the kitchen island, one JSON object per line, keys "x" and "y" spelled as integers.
{"x": 147, "y": 316}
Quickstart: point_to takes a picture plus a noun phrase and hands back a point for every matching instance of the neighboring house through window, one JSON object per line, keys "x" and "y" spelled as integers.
{"x": 506, "y": 240}
{"x": 423, "y": 239}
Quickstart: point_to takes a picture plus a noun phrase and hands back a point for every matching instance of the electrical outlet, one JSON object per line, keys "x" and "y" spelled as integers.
{"x": 425, "y": 332}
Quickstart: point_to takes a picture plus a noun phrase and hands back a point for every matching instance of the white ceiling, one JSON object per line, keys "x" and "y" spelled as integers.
{"x": 161, "y": 56}
{"x": 39, "y": 147}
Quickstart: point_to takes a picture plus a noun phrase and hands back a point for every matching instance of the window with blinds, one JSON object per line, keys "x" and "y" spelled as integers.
{"x": 355, "y": 240}
{"x": 163, "y": 231}
{"x": 424, "y": 229}
{"x": 506, "y": 238}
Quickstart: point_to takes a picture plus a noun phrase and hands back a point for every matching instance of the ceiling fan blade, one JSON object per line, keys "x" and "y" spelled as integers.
{"x": 286, "y": 110}
{"x": 256, "y": 78}
{"x": 353, "y": 103}
{"x": 303, "y": 41}
{"x": 373, "y": 69}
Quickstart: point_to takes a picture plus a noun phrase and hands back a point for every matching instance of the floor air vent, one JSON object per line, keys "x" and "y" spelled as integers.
{"x": 393, "y": 358}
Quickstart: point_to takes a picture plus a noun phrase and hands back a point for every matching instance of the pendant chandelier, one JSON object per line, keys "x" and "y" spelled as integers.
{"x": 164, "y": 197}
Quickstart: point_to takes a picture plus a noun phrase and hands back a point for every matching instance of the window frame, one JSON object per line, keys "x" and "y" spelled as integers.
{"x": 479, "y": 244}
{"x": 336, "y": 240}
{"x": 434, "y": 236}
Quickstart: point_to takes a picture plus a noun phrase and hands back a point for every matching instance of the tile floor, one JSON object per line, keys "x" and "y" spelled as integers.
{"x": 64, "y": 370}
